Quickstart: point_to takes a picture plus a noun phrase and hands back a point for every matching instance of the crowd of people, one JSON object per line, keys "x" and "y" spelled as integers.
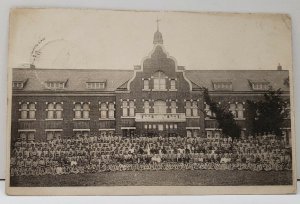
{"x": 91, "y": 154}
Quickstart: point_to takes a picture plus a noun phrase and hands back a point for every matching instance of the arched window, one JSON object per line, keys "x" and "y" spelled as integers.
{"x": 103, "y": 110}
{"x": 77, "y": 110}
{"x": 111, "y": 110}
{"x": 86, "y": 111}
{"x": 131, "y": 108}
{"x": 146, "y": 84}
{"x": 159, "y": 81}
{"x": 173, "y": 84}
{"x": 32, "y": 111}
{"x": 195, "y": 108}
{"x": 50, "y": 113}
{"x": 188, "y": 107}
{"x": 240, "y": 110}
{"x": 146, "y": 107}
{"x": 173, "y": 106}
{"x": 160, "y": 107}
{"x": 125, "y": 108}
{"x": 24, "y": 111}
{"x": 58, "y": 112}
{"x": 232, "y": 109}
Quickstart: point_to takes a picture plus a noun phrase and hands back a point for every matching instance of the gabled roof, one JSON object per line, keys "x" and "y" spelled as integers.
{"x": 117, "y": 79}
{"x": 77, "y": 78}
{"x": 240, "y": 78}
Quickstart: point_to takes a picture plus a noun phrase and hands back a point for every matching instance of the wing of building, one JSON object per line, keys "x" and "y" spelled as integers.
{"x": 156, "y": 97}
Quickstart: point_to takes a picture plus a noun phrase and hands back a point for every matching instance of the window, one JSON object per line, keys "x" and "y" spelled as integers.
{"x": 208, "y": 111}
{"x": 27, "y": 110}
{"x": 146, "y": 127}
{"x": 95, "y": 85}
{"x": 222, "y": 85}
{"x": 160, "y": 107}
{"x": 58, "y": 110}
{"x": 18, "y": 85}
{"x": 54, "y": 111}
{"x": 77, "y": 110}
{"x": 50, "y": 112}
{"x": 86, "y": 110}
{"x": 232, "y": 109}
{"x": 173, "y": 106}
{"x": 287, "y": 110}
{"x": 111, "y": 110}
{"x": 159, "y": 81}
{"x": 125, "y": 108}
{"x": 81, "y": 111}
{"x": 103, "y": 110}
{"x": 175, "y": 126}
{"x": 240, "y": 111}
{"x": 23, "y": 136}
{"x": 131, "y": 108}
{"x": 24, "y": 110}
{"x": 195, "y": 108}
{"x": 146, "y": 107}
{"x": 146, "y": 84}
{"x": 188, "y": 111}
{"x": 50, "y": 135}
{"x": 29, "y": 136}
{"x": 209, "y": 134}
{"x": 55, "y": 84}
{"x": 128, "y": 108}
{"x": 260, "y": 85}
{"x": 81, "y": 133}
{"x": 189, "y": 133}
{"x": 32, "y": 111}
{"x": 160, "y": 127}
{"x": 173, "y": 84}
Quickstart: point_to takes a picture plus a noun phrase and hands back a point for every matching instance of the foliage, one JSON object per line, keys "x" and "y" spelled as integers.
{"x": 267, "y": 115}
{"x": 223, "y": 116}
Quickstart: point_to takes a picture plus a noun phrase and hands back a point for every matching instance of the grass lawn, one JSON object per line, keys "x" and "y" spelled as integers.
{"x": 160, "y": 178}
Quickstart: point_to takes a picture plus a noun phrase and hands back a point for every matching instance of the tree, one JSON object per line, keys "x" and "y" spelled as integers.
{"x": 223, "y": 116}
{"x": 267, "y": 115}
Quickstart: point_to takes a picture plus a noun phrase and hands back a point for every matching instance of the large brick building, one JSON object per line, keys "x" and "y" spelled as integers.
{"x": 156, "y": 97}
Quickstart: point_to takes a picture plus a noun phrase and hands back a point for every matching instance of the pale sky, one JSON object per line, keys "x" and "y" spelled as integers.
{"x": 95, "y": 39}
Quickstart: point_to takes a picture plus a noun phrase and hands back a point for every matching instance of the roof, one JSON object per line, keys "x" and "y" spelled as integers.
{"x": 117, "y": 79}
{"x": 76, "y": 78}
{"x": 240, "y": 79}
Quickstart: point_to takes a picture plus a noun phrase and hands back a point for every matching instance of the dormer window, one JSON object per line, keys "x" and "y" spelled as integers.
{"x": 260, "y": 86}
{"x": 95, "y": 85}
{"x": 225, "y": 86}
{"x": 18, "y": 85}
{"x": 55, "y": 84}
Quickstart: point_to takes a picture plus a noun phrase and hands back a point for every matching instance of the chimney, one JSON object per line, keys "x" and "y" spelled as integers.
{"x": 279, "y": 67}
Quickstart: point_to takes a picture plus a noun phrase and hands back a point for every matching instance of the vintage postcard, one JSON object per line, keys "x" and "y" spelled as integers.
{"x": 106, "y": 102}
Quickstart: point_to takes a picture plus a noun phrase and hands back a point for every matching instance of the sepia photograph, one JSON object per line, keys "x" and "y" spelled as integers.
{"x": 105, "y": 102}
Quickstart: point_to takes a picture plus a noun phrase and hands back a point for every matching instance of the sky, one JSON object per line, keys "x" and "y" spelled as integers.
{"x": 95, "y": 39}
